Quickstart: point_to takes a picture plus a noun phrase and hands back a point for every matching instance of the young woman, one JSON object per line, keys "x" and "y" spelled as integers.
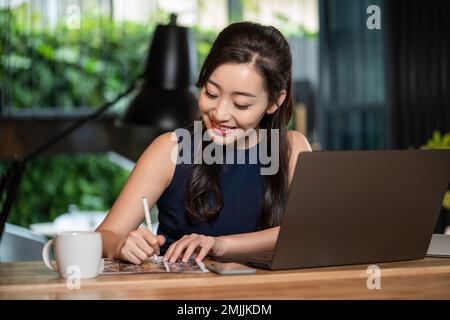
{"x": 217, "y": 209}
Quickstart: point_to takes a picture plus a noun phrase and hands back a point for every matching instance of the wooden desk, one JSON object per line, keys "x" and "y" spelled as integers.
{"x": 420, "y": 279}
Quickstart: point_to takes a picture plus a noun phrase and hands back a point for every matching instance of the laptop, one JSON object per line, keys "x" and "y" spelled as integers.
{"x": 358, "y": 207}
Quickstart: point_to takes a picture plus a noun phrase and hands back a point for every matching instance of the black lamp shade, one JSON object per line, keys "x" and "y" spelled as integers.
{"x": 166, "y": 100}
{"x": 164, "y": 109}
{"x": 171, "y": 63}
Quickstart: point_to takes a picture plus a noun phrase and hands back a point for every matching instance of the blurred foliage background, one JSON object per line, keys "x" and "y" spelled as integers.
{"x": 66, "y": 69}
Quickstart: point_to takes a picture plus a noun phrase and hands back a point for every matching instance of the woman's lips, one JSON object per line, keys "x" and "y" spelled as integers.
{"x": 221, "y": 130}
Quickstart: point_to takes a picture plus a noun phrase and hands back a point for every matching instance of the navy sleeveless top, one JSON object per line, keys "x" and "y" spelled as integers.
{"x": 242, "y": 187}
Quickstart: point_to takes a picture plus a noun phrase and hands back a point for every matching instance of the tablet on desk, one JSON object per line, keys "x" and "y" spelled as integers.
{"x": 229, "y": 268}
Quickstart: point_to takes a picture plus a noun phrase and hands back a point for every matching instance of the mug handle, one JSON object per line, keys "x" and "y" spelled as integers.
{"x": 46, "y": 255}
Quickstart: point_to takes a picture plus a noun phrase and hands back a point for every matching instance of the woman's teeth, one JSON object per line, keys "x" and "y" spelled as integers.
{"x": 222, "y": 130}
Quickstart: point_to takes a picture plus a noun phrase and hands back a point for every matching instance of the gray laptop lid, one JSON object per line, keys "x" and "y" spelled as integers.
{"x": 351, "y": 207}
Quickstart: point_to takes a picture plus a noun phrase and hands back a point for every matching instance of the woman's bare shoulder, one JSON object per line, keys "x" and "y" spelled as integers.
{"x": 159, "y": 154}
{"x": 162, "y": 145}
{"x": 298, "y": 142}
{"x": 164, "y": 141}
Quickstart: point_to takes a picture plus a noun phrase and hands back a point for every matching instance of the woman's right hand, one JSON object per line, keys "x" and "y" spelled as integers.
{"x": 140, "y": 245}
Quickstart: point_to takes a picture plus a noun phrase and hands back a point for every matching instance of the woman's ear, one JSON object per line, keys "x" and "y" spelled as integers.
{"x": 276, "y": 105}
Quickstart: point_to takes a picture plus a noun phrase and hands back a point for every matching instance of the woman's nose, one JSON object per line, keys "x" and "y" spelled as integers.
{"x": 222, "y": 111}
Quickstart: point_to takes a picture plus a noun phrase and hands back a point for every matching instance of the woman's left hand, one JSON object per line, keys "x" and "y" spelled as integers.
{"x": 189, "y": 244}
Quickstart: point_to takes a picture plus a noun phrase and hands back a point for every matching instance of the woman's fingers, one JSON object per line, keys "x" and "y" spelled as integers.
{"x": 161, "y": 239}
{"x": 129, "y": 256}
{"x": 189, "y": 244}
{"x": 169, "y": 252}
{"x": 138, "y": 252}
{"x": 204, "y": 250}
{"x": 141, "y": 244}
{"x": 194, "y": 244}
{"x": 144, "y": 246}
{"x": 180, "y": 245}
{"x": 171, "y": 249}
{"x": 150, "y": 238}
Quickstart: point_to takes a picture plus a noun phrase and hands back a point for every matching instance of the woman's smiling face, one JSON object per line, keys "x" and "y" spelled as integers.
{"x": 232, "y": 101}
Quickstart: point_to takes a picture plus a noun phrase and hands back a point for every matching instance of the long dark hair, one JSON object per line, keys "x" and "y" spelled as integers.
{"x": 267, "y": 49}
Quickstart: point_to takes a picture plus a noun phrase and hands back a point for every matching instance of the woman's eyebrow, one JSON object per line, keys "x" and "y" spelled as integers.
{"x": 235, "y": 92}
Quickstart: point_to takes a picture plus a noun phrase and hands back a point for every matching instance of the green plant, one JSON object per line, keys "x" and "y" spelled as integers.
{"x": 446, "y": 202}
{"x": 67, "y": 68}
{"x": 51, "y": 183}
{"x": 439, "y": 141}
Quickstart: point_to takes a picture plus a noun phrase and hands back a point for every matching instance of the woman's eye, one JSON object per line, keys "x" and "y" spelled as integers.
{"x": 241, "y": 107}
{"x": 209, "y": 95}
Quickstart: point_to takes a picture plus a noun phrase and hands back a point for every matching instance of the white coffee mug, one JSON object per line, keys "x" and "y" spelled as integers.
{"x": 77, "y": 253}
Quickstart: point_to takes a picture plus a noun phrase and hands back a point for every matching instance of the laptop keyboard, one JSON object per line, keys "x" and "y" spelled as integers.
{"x": 258, "y": 264}
{"x": 263, "y": 260}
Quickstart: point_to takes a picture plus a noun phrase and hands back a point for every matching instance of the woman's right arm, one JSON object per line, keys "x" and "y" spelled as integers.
{"x": 150, "y": 177}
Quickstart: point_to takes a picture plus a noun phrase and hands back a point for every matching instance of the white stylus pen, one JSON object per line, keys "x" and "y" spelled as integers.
{"x": 148, "y": 221}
